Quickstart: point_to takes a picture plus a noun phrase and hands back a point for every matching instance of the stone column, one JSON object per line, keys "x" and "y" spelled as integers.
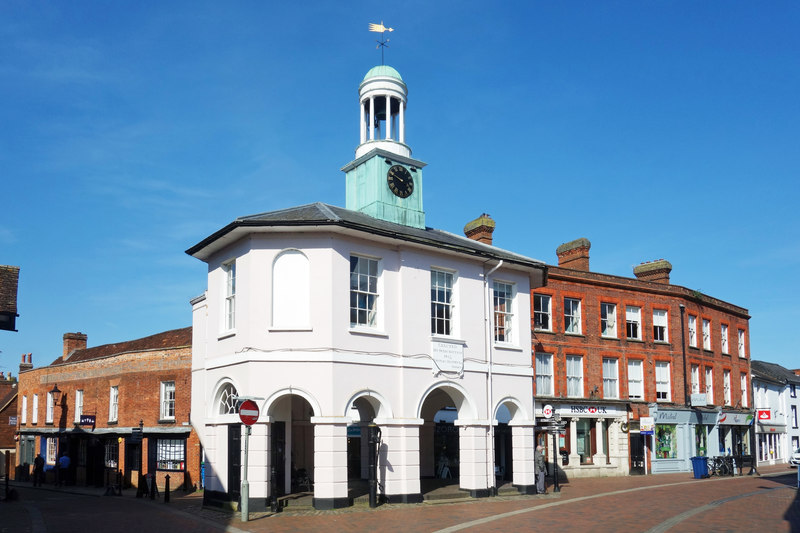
{"x": 599, "y": 458}
{"x": 473, "y": 459}
{"x": 427, "y": 462}
{"x": 213, "y": 457}
{"x": 523, "y": 444}
{"x": 371, "y": 118}
{"x": 362, "y": 127}
{"x": 574, "y": 458}
{"x": 402, "y": 122}
{"x": 258, "y": 467}
{"x": 399, "y": 460}
{"x": 330, "y": 462}
{"x": 388, "y": 117}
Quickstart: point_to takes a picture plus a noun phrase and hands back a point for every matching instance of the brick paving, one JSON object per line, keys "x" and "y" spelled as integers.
{"x": 671, "y": 502}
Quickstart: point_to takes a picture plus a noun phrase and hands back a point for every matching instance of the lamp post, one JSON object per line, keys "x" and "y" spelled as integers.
{"x": 56, "y": 393}
{"x": 556, "y": 433}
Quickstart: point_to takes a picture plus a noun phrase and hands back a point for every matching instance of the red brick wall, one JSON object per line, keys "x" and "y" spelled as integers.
{"x": 593, "y": 289}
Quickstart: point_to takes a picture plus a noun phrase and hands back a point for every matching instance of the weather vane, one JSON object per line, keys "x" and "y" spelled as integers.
{"x": 380, "y": 28}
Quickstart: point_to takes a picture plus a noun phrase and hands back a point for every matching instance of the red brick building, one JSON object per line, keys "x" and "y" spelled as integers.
{"x": 8, "y": 422}
{"x": 609, "y": 350}
{"x": 117, "y": 409}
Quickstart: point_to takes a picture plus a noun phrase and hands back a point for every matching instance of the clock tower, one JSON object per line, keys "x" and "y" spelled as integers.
{"x": 384, "y": 181}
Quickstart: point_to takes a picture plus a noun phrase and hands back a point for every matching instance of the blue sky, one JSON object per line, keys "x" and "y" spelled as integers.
{"x": 132, "y": 130}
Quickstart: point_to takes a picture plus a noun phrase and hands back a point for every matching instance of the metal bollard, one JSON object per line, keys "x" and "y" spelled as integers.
{"x": 166, "y": 490}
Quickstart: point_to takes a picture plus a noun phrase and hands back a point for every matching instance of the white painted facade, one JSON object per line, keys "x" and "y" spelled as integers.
{"x": 778, "y": 436}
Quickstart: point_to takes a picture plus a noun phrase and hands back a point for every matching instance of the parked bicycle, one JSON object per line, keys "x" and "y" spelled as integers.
{"x": 720, "y": 466}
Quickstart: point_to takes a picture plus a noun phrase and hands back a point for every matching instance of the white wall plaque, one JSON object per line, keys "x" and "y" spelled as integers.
{"x": 448, "y": 357}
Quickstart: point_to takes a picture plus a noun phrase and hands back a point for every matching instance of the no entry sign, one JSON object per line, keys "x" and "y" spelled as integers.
{"x": 248, "y": 412}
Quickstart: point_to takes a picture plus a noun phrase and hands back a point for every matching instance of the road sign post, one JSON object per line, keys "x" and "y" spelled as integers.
{"x": 248, "y": 413}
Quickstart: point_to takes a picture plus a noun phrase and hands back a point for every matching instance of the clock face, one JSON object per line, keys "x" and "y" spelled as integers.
{"x": 400, "y": 181}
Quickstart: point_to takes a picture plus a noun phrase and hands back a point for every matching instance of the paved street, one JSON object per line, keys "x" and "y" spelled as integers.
{"x": 674, "y": 502}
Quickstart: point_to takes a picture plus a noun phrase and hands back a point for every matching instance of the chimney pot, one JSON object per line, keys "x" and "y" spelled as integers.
{"x": 480, "y": 229}
{"x": 574, "y": 254}
{"x": 656, "y": 271}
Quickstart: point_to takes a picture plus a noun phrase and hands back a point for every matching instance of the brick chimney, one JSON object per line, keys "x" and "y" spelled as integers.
{"x": 72, "y": 342}
{"x": 480, "y": 229}
{"x": 574, "y": 254}
{"x": 657, "y": 271}
{"x": 26, "y": 363}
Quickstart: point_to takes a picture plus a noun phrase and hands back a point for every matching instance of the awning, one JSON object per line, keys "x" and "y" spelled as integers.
{"x": 762, "y": 427}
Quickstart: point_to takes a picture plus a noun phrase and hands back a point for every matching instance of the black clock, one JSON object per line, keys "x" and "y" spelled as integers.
{"x": 400, "y": 181}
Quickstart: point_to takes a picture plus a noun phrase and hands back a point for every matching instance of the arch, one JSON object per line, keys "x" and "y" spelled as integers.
{"x": 269, "y": 403}
{"x": 222, "y": 398}
{"x": 291, "y": 290}
{"x": 515, "y": 408}
{"x": 456, "y": 393}
{"x": 380, "y": 406}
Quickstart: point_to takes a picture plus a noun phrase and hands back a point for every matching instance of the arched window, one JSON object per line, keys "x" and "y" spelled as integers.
{"x": 226, "y": 400}
{"x": 290, "y": 291}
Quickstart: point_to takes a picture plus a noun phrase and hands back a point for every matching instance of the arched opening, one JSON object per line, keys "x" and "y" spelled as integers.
{"x": 291, "y": 444}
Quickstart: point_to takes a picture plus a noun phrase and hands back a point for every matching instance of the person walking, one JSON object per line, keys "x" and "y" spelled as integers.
{"x": 38, "y": 470}
{"x": 63, "y": 469}
{"x": 539, "y": 468}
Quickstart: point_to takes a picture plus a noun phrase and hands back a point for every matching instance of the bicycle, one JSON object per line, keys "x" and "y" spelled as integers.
{"x": 720, "y": 466}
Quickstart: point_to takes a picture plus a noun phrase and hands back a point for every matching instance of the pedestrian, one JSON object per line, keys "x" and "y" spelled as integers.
{"x": 63, "y": 469}
{"x": 539, "y": 469}
{"x": 38, "y": 470}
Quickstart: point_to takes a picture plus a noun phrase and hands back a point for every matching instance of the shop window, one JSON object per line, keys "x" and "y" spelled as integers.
{"x": 52, "y": 450}
{"x": 170, "y": 454}
{"x": 700, "y": 441}
{"x": 112, "y": 453}
{"x": 583, "y": 429}
{"x": 666, "y": 441}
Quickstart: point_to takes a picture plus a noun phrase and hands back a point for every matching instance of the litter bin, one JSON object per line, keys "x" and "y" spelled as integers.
{"x": 699, "y": 467}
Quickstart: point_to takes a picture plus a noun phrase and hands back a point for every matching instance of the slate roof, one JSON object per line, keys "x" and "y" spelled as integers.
{"x": 176, "y": 338}
{"x": 320, "y": 215}
{"x": 9, "y": 279}
{"x": 773, "y": 372}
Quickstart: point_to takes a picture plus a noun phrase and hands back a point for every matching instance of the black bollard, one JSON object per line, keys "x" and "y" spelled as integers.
{"x": 152, "y": 486}
{"x": 140, "y": 486}
{"x": 166, "y": 490}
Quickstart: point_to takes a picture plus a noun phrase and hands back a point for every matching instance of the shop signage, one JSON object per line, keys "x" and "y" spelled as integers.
{"x": 735, "y": 419}
{"x": 764, "y": 415}
{"x": 588, "y": 409}
{"x": 448, "y": 357}
{"x": 547, "y": 411}
{"x": 699, "y": 399}
{"x": 647, "y": 425}
{"x": 87, "y": 420}
{"x": 136, "y": 434}
{"x": 12, "y": 420}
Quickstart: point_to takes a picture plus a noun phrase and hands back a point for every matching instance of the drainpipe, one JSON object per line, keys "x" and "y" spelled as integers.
{"x": 683, "y": 350}
{"x": 489, "y": 343}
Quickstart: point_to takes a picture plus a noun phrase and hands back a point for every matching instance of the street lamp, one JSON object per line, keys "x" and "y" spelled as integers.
{"x": 56, "y": 394}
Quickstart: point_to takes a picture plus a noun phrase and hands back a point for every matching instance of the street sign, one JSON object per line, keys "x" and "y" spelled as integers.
{"x": 248, "y": 412}
{"x": 547, "y": 411}
{"x": 136, "y": 434}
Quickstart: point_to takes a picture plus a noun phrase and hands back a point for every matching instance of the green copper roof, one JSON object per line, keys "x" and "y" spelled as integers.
{"x": 383, "y": 70}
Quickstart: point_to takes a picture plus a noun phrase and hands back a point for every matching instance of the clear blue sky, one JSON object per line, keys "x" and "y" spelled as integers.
{"x": 132, "y": 130}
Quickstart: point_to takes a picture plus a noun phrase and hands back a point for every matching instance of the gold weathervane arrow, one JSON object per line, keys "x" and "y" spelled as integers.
{"x": 379, "y": 28}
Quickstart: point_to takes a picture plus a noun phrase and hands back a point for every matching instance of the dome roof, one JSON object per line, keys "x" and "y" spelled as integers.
{"x": 382, "y": 70}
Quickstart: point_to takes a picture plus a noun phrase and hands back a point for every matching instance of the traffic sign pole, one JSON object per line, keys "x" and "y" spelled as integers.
{"x": 248, "y": 413}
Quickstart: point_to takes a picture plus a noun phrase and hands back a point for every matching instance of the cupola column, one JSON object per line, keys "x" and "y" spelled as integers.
{"x": 362, "y": 126}
{"x": 402, "y": 119}
{"x": 388, "y": 117}
{"x": 371, "y": 118}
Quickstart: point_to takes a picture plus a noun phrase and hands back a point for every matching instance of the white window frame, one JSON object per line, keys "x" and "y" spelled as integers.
{"x": 695, "y": 379}
{"x": 365, "y": 291}
{"x": 291, "y": 291}
{"x": 35, "y": 410}
{"x": 723, "y": 338}
{"x": 709, "y": 385}
{"x": 113, "y": 403}
{"x": 48, "y": 412}
{"x": 538, "y": 301}
{"x": 793, "y": 414}
{"x": 575, "y": 376}
{"x": 51, "y": 450}
{"x": 693, "y": 331}
{"x": 608, "y": 320}
{"x": 504, "y": 299}
{"x": 167, "y": 400}
{"x": 24, "y": 415}
{"x": 726, "y": 387}
{"x": 663, "y": 382}
{"x": 443, "y": 283}
{"x": 229, "y": 296}
{"x": 706, "y": 334}
{"x": 78, "y": 405}
{"x": 660, "y": 325}
{"x": 743, "y": 383}
{"x": 741, "y": 344}
{"x": 610, "y": 377}
{"x": 171, "y": 454}
{"x": 544, "y": 374}
{"x": 633, "y": 317}
{"x": 572, "y": 316}
{"x": 635, "y": 379}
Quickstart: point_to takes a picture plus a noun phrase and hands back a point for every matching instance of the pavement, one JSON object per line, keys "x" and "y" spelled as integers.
{"x": 448, "y": 509}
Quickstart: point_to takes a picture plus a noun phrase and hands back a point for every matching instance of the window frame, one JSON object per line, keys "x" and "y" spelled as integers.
{"x": 167, "y": 403}
{"x": 78, "y": 405}
{"x": 23, "y": 419}
{"x": 661, "y": 331}
{"x": 574, "y": 381}
{"x": 113, "y": 403}
{"x": 692, "y": 331}
{"x": 663, "y": 386}
{"x": 365, "y": 292}
{"x": 171, "y": 451}
{"x": 542, "y": 360}
{"x": 51, "y": 450}
{"x": 49, "y": 408}
{"x": 707, "y": 334}
{"x": 35, "y": 410}
{"x": 740, "y": 339}
{"x": 793, "y": 414}
{"x": 539, "y": 298}
{"x": 709, "y": 382}
{"x": 695, "y": 378}
{"x": 507, "y": 314}
{"x": 637, "y": 380}
{"x": 572, "y": 314}
{"x": 606, "y": 331}
{"x": 611, "y": 383}
{"x": 111, "y": 453}
{"x": 727, "y": 394}
{"x": 629, "y": 322}
{"x": 743, "y": 387}
{"x": 723, "y": 338}
{"x": 229, "y": 296}
{"x": 448, "y": 319}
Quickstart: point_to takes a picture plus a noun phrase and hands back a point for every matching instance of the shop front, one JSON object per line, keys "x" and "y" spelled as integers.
{"x": 772, "y": 439}
{"x": 594, "y": 442}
